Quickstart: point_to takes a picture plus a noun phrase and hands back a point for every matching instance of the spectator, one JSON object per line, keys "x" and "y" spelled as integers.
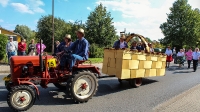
{"x": 120, "y": 44}
{"x": 11, "y": 48}
{"x": 180, "y": 58}
{"x": 31, "y": 48}
{"x": 195, "y": 57}
{"x": 57, "y": 43}
{"x": 151, "y": 47}
{"x": 22, "y": 48}
{"x": 168, "y": 52}
{"x": 189, "y": 57}
{"x": 38, "y": 47}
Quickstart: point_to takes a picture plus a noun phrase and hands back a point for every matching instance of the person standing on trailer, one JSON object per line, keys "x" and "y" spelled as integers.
{"x": 120, "y": 44}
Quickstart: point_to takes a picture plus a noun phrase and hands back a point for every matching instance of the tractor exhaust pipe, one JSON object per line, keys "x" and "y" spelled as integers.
{"x": 40, "y": 57}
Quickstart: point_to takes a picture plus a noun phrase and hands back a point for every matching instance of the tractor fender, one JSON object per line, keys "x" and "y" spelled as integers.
{"x": 30, "y": 83}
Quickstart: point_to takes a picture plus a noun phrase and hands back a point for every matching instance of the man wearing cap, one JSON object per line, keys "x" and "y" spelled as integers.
{"x": 120, "y": 44}
{"x": 11, "y": 48}
{"x": 65, "y": 47}
{"x": 80, "y": 48}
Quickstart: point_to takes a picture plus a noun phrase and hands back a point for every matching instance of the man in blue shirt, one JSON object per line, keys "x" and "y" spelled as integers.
{"x": 80, "y": 49}
{"x": 195, "y": 56}
{"x": 120, "y": 44}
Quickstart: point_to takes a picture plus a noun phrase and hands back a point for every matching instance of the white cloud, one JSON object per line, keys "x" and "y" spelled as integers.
{"x": 4, "y": 3}
{"x": 141, "y": 16}
{"x": 1, "y": 20}
{"x": 32, "y": 6}
{"x": 88, "y": 8}
{"x": 22, "y": 8}
{"x": 71, "y": 21}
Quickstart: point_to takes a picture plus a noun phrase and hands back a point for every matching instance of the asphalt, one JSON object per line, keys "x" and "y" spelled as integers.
{"x": 188, "y": 101}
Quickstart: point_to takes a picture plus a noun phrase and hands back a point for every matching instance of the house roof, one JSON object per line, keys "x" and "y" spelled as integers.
{"x": 11, "y": 31}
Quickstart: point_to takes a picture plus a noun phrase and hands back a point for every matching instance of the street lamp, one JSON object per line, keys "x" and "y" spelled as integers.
{"x": 52, "y": 26}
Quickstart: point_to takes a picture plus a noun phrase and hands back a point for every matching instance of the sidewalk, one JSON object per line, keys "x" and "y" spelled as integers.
{"x": 4, "y": 68}
{"x": 188, "y": 101}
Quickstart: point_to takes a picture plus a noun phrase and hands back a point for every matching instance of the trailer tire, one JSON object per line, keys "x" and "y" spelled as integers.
{"x": 83, "y": 82}
{"x": 137, "y": 82}
{"x": 60, "y": 86}
{"x": 21, "y": 98}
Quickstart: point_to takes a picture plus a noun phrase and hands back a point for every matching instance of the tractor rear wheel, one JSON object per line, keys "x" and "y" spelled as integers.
{"x": 137, "y": 82}
{"x": 82, "y": 86}
{"x": 61, "y": 85}
{"x": 21, "y": 98}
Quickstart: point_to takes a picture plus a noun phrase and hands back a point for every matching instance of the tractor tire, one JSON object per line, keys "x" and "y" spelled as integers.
{"x": 60, "y": 85}
{"x": 21, "y": 98}
{"x": 7, "y": 84}
{"x": 137, "y": 82}
{"x": 82, "y": 86}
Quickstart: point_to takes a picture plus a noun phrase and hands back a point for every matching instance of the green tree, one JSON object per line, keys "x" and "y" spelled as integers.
{"x": 44, "y": 30}
{"x": 24, "y": 31}
{"x": 100, "y": 29}
{"x": 3, "y": 42}
{"x": 182, "y": 26}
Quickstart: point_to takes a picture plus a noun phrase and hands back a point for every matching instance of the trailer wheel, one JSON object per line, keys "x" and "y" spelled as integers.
{"x": 82, "y": 86}
{"x": 61, "y": 85}
{"x": 8, "y": 84}
{"x": 21, "y": 98}
{"x": 137, "y": 82}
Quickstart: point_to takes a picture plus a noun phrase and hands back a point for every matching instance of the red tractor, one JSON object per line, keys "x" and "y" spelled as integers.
{"x": 29, "y": 71}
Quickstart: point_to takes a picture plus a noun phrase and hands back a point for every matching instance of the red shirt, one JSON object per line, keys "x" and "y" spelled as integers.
{"x": 21, "y": 47}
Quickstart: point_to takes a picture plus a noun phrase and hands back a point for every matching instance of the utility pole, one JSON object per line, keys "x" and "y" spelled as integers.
{"x": 52, "y": 26}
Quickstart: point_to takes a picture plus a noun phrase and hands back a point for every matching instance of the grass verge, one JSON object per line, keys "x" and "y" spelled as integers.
{"x": 96, "y": 60}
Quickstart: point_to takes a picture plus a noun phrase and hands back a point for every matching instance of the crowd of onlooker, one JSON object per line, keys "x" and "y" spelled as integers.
{"x": 22, "y": 49}
{"x": 183, "y": 55}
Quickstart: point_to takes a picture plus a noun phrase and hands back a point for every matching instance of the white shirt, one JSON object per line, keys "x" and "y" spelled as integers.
{"x": 174, "y": 51}
{"x": 168, "y": 52}
{"x": 195, "y": 55}
{"x": 122, "y": 45}
{"x": 11, "y": 47}
{"x": 180, "y": 54}
{"x": 151, "y": 50}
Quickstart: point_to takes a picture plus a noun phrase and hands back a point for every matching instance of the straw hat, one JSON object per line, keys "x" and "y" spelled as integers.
{"x": 68, "y": 36}
{"x": 122, "y": 37}
{"x": 80, "y": 30}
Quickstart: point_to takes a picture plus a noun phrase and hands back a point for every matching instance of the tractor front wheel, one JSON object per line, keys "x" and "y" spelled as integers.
{"x": 82, "y": 86}
{"x": 21, "y": 98}
{"x": 137, "y": 82}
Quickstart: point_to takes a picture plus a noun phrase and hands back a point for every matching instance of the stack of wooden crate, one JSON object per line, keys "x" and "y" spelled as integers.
{"x": 126, "y": 64}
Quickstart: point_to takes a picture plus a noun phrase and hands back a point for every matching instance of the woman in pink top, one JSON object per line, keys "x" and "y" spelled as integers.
{"x": 38, "y": 48}
{"x": 189, "y": 57}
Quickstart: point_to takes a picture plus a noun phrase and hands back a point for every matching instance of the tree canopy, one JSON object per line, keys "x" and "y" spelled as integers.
{"x": 182, "y": 26}
{"x": 24, "y": 31}
{"x": 3, "y": 42}
{"x": 99, "y": 27}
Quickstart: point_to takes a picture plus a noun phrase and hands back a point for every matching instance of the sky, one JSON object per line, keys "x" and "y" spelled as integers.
{"x": 137, "y": 16}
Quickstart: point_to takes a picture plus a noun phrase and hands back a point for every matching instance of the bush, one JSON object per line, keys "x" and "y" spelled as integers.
{"x": 96, "y": 51}
{"x": 3, "y": 42}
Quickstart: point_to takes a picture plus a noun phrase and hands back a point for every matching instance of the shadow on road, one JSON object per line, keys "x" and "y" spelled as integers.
{"x": 54, "y": 96}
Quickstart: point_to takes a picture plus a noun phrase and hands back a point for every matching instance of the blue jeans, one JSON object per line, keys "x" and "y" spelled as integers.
{"x": 9, "y": 55}
{"x": 73, "y": 60}
{"x": 21, "y": 53}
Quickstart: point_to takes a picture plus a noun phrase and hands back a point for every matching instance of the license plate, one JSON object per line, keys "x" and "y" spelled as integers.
{"x": 6, "y": 78}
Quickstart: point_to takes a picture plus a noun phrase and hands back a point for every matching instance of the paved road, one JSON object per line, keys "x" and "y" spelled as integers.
{"x": 114, "y": 97}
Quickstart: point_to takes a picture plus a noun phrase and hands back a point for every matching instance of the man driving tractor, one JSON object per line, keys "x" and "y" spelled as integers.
{"x": 79, "y": 48}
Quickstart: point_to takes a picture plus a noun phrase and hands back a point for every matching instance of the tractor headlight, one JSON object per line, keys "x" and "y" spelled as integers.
{"x": 25, "y": 69}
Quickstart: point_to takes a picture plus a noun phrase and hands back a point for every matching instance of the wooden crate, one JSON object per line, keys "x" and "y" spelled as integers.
{"x": 145, "y": 64}
{"x": 123, "y": 73}
{"x": 109, "y": 53}
{"x": 151, "y": 58}
{"x": 133, "y": 64}
{"x": 111, "y": 71}
{"x": 137, "y": 73}
{"x": 122, "y": 63}
{"x": 138, "y": 56}
{"x": 160, "y": 72}
{"x": 123, "y": 54}
{"x": 157, "y": 64}
{"x": 150, "y": 72}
